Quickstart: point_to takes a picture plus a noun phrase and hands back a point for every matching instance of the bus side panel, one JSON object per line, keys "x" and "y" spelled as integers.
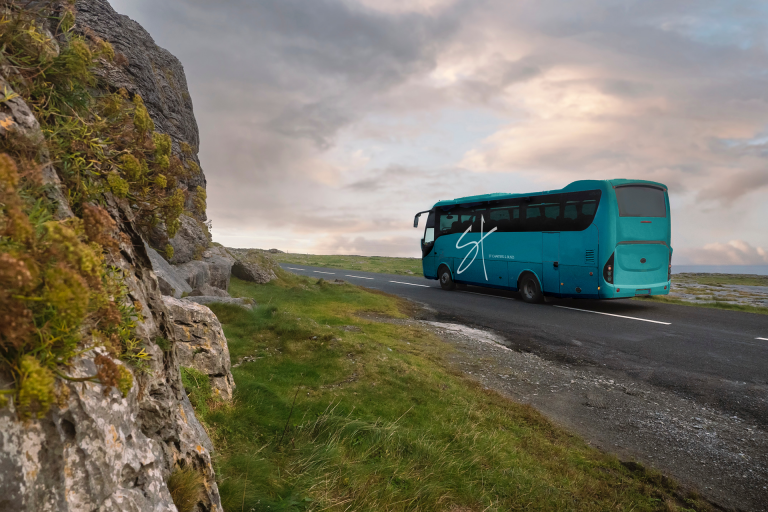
{"x": 428, "y": 266}
{"x": 497, "y": 273}
{"x": 578, "y": 263}
{"x": 579, "y": 282}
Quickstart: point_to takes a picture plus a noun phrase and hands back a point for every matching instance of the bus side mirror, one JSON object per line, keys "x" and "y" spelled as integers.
{"x": 416, "y": 220}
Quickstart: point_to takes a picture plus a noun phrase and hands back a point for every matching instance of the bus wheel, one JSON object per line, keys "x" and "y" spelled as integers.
{"x": 530, "y": 290}
{"x": 446, "y": 281}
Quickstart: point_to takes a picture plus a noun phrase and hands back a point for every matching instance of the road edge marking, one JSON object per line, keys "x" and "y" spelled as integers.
{"x": 764, "y": 339}
{"x": 412, "y": 284}
{"x": 617, "y": 316}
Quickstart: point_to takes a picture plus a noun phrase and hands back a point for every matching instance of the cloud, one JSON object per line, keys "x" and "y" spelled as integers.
{"x": 326, "y": 124}
{"x": 362, "y": 246}
{"x": 735, "y": 252}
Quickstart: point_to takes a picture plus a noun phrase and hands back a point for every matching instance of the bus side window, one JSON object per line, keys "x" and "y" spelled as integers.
{"x": 552, "y": 217}
{"x": 498, "y": 218}
{"x": 532, "y": 220}
{"x": 571, "y": 210}
{"x": 589, "y": 207}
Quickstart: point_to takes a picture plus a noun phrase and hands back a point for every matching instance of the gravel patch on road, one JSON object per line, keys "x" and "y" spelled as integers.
{"x": 723, "y": 457}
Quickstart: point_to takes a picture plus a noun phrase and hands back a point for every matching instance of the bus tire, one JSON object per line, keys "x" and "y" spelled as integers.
{"x": 446, "y": 281}
{"x": 530, "y": 289}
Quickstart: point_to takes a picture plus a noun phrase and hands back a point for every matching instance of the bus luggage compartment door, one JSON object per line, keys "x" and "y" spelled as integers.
{"x": 551, "y": 262}
{"x": 641, "y": 264}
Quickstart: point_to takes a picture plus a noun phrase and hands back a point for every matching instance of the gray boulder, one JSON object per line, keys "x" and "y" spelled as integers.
{"x": 219, "y": 263}
{"x": 253, "y": 265}
{"x": 249, "y": 271}
{"x": 188, "y": 243}
{"x": 171, "y": 283}
{"x": 200, "y": 343}
{"x": 195, "y": 273}
{"x": 208, "y": 290}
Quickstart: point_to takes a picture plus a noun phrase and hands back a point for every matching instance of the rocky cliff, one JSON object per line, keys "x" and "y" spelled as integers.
{"x": 101, "y": 422}
{"x": 144, "y": 68}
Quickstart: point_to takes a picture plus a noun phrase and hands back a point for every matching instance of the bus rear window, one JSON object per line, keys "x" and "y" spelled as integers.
{"x": 641, "y": 201}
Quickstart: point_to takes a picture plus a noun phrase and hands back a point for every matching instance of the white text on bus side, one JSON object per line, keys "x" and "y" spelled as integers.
{"x": 477, "y": 247}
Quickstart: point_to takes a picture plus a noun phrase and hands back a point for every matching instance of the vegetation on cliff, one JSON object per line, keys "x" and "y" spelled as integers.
{"x": 60, "y": 295}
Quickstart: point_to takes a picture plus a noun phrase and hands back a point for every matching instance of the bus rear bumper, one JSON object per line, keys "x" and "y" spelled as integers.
{"x": 619, "y": 291}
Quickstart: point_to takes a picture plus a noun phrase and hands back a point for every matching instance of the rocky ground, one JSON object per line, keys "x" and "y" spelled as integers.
{"x": 689, "y": 288}
{"x": 722, "y": 457}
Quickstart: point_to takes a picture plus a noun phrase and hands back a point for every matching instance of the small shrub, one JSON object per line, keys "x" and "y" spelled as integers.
{"x": 200, "y": 200}
{"x": 186, "y": 487}
{"x": 142, "y": 123}
{"x": 163, "y": 343}
{"x": 36, "y": 392}
{"x": 118, "y": 185}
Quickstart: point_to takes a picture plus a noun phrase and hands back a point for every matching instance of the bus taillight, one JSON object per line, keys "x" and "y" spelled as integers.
{"x": 608, "y": 270}
{"x": 669, "y": 271}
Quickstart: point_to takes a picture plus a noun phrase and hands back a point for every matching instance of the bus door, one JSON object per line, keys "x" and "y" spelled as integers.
{"x": 428, "y": 248}
{"x": 551, "y": 262}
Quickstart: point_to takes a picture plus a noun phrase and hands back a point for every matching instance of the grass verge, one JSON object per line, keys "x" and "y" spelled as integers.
{"x": 335, "y": 410}
{"x": 712, "y": 305}
{"x": 380, "y": 264}
{"x": 721, "y": 279}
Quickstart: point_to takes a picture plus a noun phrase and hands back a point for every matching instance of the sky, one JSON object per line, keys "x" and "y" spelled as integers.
{"x": 327, "y": 124}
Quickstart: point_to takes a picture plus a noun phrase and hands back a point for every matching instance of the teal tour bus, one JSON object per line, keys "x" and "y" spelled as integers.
{"x": 592, "y": 239}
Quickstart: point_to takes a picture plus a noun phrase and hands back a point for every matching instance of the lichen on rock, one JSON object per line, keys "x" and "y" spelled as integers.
{"x": 200, "y": 343}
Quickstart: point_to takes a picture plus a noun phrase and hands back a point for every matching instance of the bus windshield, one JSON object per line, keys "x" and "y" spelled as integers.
{"x": 641, "y": 201}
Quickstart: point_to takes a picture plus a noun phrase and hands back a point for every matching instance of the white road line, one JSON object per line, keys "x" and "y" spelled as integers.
{"x": 321, "y": 272}
{"x": 764, "y": 339}
{"x": 359, "y": 277}
{"x": 488, "y": 295}
{"x": 412, "y": 284}
{"x": 618, "y": 316}
{"x": 291, "y": 268}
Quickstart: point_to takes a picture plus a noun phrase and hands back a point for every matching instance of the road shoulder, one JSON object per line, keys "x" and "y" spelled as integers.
{"x": 723, "y": 458}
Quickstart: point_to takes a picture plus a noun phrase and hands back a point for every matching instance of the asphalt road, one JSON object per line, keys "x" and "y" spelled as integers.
{"x": 714, "y": 356}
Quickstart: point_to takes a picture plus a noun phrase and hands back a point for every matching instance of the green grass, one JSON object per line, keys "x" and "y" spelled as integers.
{"x": 380, "y": 422}
{"x": 381, "y": 264}
{"x": 721, "y": 279}
{"x": 712, "y": 305}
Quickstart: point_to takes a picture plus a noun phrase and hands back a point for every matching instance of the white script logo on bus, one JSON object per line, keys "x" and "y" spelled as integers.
{"x": 477, "y": 248}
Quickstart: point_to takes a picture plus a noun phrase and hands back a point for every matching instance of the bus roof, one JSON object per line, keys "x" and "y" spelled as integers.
{"x": 573, "y": 187}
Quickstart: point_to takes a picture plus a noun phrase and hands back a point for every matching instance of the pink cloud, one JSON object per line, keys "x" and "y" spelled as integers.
{"x": 735, "y": 252}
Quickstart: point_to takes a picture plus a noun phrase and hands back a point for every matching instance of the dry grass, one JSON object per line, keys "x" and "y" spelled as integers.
{"x": 186, "y": 488}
